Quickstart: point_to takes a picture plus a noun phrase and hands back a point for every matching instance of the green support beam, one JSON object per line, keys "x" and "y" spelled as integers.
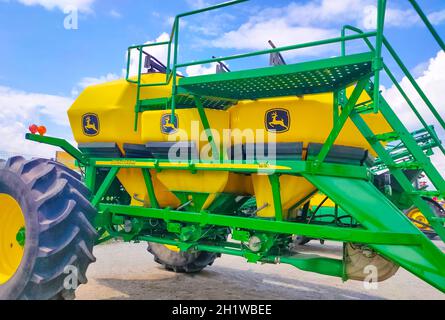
{"x": 150, "y": 188}
{"x": 61, "y": 143}
{"x": 353, "y": 235}
{"x": 105, "y": 185}
{"x": 428, "y": 24}
{"x": 398, "y": 173}
{"x": 378, "y": 60}
{"x": 274, "y": 180}
{"x": 208, "y": 130}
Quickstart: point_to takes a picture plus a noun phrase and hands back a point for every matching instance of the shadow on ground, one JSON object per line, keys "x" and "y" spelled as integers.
{"x": 228, "y": 284}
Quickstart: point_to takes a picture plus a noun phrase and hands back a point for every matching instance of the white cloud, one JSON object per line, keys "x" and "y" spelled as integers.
{"x": 294, "y": 23}
{"x": 437, "y": 17}
{"x": 432, "y": 82}
{"x": 90, "y": 81}
{"x": 394, "y": 18}
{"x": 115, "y": 14}
{"x": 198, "y": 4}
{"x": 159, "y": 52}
{"x": 300, "y": 22}
{"x": 18, "y": 109}
{"x": 199, "y": 70}
{"x": 81, "y": 5}
{"x": 254, "y": 36}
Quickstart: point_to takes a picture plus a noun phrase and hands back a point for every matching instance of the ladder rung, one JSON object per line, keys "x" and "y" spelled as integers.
{"x": 407, "y": 165}
{"x": 426, "y": 193}
{"x": 365, "y": 108}
{"x": 386, "y": 137}
{"x": 154, "y": 102}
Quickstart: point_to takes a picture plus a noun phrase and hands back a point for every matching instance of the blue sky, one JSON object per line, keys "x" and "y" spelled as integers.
{"x": 43, "y": 66}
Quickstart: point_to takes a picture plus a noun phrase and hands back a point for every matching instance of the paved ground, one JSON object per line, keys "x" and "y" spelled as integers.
{"x": 127, "y": 271}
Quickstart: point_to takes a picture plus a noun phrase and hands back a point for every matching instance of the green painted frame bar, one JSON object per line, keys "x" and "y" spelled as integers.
{"x": 396, "y": 83}
{"x": 61, "y": 143}
{"x": 433, "y": 174}
{"x": 354, "y": 235}
{"x": 280, "y": 167}
{"x": 150, "y": 188}
{"x": 378, "y": 60}
{"x": 280, "y": 49}
{"x": 207, "y": 129}
{"x": 214, "y": 7}
{"x": 305, "y": 262}
{"x": 428, "y": 23}
{"x": 341, "y": 121}
{"x": 274, "y": 181}
{"x": 414, "y": 83}
{"x": 398, "y": 173}
{"x": 103, "y": 189}
{"x": 90, "y": 178}
{"x": 312, "y": 263}
{"x": 140, "y": 47}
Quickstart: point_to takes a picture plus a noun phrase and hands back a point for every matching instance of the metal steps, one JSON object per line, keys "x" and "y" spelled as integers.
{"x": 419, "y": 160}
{"x": 312, "y": 77}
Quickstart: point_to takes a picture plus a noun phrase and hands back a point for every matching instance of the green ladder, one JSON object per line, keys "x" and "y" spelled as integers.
{"x": 421, "y": 161}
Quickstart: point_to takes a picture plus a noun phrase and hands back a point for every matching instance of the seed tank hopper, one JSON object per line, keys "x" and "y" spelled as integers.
{"x": 273, "y": 138}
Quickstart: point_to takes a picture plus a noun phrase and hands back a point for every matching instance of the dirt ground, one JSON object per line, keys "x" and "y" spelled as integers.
{"x": 127, "y": 271}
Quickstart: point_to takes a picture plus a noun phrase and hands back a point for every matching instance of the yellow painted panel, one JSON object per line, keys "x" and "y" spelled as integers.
{"x": 113, "y": 103}
{"x": 201, "y": 181}
{"x": 133, "y": 181}
{"x": 318, "y": 198}
{"x": 212, "y": 182}
{"x": 293, "y": 189}
{"x": 310, "y": 120}
{"x": 239, "y": 184}
{"x": 189, "y": 128}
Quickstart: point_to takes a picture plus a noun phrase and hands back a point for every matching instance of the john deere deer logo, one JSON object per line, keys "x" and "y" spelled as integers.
{"x": 277, "y": 120}
{"x": 90, "y": 124}
{"x": 167, "y": 125}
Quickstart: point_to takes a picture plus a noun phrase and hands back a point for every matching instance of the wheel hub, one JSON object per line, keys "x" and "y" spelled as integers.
{"x": 417, "y": 216}
{"x": 12, "y": 237}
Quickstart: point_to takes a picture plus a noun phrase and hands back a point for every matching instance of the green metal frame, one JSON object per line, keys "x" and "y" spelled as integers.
{"x": 189, "y": 227}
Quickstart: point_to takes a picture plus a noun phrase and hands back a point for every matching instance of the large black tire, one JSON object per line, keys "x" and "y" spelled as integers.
{"x": 181, "y": 262}
{"x": 301, "y": 240}
{"x": 59, "y": 231}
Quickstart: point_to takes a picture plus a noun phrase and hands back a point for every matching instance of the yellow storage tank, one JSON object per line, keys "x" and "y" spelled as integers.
{"x": 305, "y": 120}
{"x": 160, "y": 126}
{"x": 106, "y": 113}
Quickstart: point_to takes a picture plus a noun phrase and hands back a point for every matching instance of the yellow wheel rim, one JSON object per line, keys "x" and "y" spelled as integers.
{"x": 12, "y": 222}
{"x": 416, "y": 215}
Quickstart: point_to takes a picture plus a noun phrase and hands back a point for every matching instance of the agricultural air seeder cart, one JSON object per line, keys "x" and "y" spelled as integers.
{"x": 276, "y": 134}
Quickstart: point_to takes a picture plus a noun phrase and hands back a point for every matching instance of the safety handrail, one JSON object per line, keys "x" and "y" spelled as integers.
{"x": 281, "y": 49}
{"x": 399, "y": 87}
{"x": 378, "y": 65}
{"x": 173, "y": 66}
{"x": 428, "y": 24}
